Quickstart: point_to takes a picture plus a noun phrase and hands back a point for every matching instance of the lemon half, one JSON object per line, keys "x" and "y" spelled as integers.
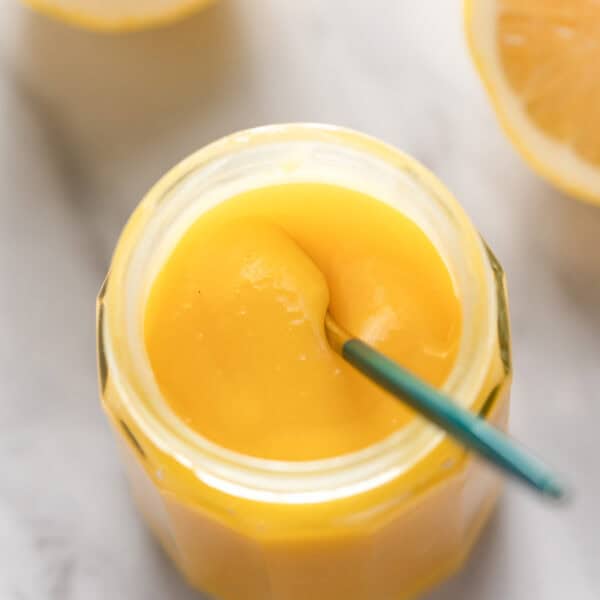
{"x": 118, "y": 15}
{"x": 540, "y": 63}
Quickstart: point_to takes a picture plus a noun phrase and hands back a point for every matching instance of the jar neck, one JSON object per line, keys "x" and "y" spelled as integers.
{"x": 264, "y": 157}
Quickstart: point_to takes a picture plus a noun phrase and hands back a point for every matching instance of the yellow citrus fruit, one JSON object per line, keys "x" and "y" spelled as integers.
{"x": 540, "y": 61}
{"x": 118, "y": 15}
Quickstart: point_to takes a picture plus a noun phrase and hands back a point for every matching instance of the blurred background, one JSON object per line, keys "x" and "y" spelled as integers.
{"x": 89, "y": 122}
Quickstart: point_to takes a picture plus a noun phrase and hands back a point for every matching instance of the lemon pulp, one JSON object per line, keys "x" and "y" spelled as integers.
{"x": 539, "y": 61}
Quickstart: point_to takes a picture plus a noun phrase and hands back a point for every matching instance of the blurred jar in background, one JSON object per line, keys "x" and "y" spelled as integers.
{"x": 118, "y": 15}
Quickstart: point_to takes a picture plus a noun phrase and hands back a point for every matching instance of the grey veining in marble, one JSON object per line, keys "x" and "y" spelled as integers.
{"x": 89, "y": 122}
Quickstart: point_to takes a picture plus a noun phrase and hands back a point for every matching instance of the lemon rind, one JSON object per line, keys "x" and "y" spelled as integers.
{"x": 529, "y": 140}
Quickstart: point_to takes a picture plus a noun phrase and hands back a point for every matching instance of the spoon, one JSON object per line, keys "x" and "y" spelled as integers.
{"x": 465, "y": 427}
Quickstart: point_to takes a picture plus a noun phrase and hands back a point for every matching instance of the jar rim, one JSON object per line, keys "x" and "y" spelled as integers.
{"x": 290, "y": 482}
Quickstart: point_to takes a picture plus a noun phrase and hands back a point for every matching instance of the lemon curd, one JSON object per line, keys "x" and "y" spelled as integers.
{"x": 235, "y": 320}
{"x": 265, "y": 466}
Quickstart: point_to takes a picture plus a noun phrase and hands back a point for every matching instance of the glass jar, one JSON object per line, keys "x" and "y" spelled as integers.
{"x": 386, "y": 522}
{"x": 124, "y": 15}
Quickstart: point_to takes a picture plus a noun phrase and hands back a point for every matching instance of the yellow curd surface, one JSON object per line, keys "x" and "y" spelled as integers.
{"x": 235, "y": 321}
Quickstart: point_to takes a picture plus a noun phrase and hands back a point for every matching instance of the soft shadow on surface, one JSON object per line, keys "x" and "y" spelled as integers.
{"x": 122, "y": 109}
{"x": 477, "y": 576}
{"x": 567, "y": 233}
{"x": 123, "y": 91}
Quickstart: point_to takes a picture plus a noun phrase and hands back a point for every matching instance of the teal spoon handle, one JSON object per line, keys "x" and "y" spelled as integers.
{"x": 470, "y": 430}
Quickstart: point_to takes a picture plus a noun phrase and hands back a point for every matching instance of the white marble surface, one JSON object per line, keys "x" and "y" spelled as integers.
{"x": 88, "y": 123}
